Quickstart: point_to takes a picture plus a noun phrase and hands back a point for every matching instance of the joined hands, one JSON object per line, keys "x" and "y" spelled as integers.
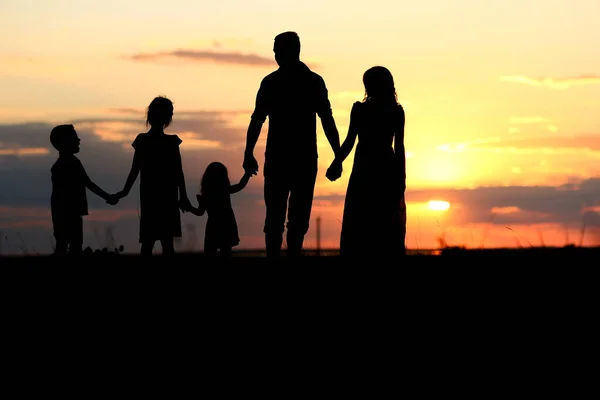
{"x": 250, "y": 164}
{"x": 334, "y": 171}
{"x": 113, "y": 199}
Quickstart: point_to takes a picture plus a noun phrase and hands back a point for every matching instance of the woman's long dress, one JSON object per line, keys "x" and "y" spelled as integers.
{"x": 374, "y": 219}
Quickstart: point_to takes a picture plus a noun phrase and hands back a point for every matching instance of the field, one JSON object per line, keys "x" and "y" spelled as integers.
{"x": 517, "y": 255}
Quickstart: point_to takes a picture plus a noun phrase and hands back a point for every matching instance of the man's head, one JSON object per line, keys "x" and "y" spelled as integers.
{"x": 64, "y": 139}
{"x": 287, "y": 48}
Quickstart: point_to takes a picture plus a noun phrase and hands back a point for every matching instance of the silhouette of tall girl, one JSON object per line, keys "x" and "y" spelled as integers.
{"x": 374, "y": 219}
{"x": 162, "y": 183}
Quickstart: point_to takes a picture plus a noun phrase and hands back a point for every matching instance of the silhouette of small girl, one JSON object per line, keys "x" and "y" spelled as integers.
{"x": 162, "y": 188}
{"x": 215, "y": 199}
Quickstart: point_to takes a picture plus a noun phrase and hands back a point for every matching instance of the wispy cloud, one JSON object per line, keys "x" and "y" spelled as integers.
{"x": 186, "y": 113}
{"x": 527, "y": 120}
{"x": 580, "y": 145}
{"x": 206, "y": 56}
{"x": 553, "y": 83}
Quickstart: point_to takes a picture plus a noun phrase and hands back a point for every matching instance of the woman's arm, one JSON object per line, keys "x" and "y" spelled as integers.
{"x": 242, "y": 184}
{"x": 399, "y": 149}
{"x": 348, "y": 143}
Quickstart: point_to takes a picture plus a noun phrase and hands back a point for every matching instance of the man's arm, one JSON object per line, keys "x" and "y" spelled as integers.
{"x": 326, "y": 115}
{"x": 252, "y": 135}
{"x": 261, "y": 111}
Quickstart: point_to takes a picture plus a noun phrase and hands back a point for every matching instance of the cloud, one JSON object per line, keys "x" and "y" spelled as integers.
{"x": 527, "y": 120}
{"x": 565, "y": 204}
{"x": 206, "y": 56}
{"x": 26, "y": 186}
{"x": 554, "y": 83}
{"x": 197, "y": 128}
{"x": 560, "y": 145}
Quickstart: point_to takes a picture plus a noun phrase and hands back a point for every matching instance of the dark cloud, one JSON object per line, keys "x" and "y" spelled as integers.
{"x": 218, "y": 57}
{"x": 25, "y": 183}
{"x": 26, "y": 187}
{"x": 207, "y": 125}
{"x": 568, "y": 204}
{"x": 563, "y": 204}
{"x": 25, "y": 180}
{"x": 185, "y": 113}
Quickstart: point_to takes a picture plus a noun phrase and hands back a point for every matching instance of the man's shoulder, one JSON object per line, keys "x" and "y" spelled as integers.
{"x": 270, "y": 78}
{"x": 315, "y": 78}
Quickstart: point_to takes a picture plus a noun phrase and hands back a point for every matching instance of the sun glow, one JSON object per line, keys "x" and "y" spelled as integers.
{"x": 439, "y": 205}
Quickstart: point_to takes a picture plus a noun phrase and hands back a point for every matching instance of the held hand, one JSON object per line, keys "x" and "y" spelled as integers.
{"x": 113, "y": 199}
{"x": 334, "y": 171}
{"x": 121, "y": 194}
{"x": 184, "y": 204}
{"x": 250, "y": 164}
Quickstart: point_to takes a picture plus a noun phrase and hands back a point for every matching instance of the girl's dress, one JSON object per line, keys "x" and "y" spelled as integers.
{"x": 160, "y": 164}
{"x": 374, "y": 223}
{"x": 221, "y": 226}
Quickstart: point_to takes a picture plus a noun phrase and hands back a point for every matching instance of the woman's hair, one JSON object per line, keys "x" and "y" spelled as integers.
{"x": 215, "y": 179}
{"x": 159, "y": 113}
{"x": 379, "y": 85}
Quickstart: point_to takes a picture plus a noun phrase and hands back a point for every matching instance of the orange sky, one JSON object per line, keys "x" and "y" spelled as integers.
{"x": 500, "y": 99}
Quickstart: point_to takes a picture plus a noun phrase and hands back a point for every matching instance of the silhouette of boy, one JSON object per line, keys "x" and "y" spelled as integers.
{"x": 69, "y": 199}
{"x": 291, "y": 97}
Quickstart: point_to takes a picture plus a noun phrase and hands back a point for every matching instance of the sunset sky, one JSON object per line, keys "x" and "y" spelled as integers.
{"x": 501, "y": 101}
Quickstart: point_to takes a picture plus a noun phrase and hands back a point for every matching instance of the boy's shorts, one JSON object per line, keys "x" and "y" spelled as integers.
{"x": 68, "y": 228}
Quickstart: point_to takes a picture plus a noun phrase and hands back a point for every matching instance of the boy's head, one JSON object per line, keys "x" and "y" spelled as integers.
{"x": 64, "y": 139}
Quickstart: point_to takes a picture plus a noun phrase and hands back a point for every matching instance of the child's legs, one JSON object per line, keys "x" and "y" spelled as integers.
{"x": 210, "y": 250}
{"x": 147, "y": 247}
{"x": 75, "y": 234}
{"x": 226, "y": 251}
{"x": 60, "y": 234}
{"x": 167, "y": 246}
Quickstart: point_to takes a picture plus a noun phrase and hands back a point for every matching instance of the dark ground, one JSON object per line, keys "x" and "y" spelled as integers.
{"x": 575, "y": 256}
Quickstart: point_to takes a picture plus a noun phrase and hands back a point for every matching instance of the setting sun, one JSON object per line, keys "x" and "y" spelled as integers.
{"x": 439, "y": 205}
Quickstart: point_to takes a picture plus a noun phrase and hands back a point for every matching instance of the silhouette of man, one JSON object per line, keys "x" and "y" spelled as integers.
{"x": 292, "y": 97}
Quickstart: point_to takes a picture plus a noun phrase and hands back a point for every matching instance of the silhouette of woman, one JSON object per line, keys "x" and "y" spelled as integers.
{"x": 215, "y": 198}
{"x": 162, "y": 184}
{"x": 374, "y": 219}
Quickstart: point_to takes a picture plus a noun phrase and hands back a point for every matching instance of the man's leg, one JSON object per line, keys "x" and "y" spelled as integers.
{"x": 301, "y": 198}
{"x": 276, "y": 191}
